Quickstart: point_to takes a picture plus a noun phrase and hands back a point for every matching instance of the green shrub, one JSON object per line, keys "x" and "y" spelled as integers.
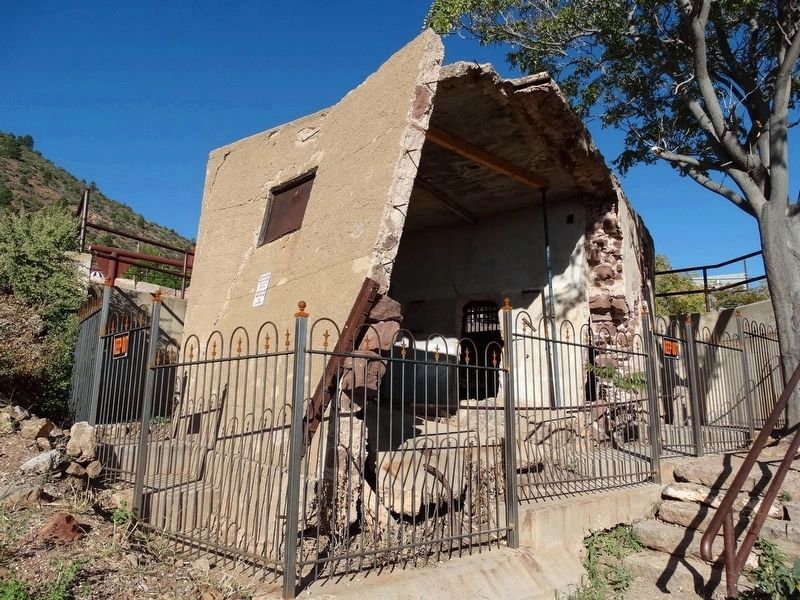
{"x": 5, "y": 195}
{"x": 43, "y": 283}
{"x": 773, "y": 578}
{"x": 13, "y": 590}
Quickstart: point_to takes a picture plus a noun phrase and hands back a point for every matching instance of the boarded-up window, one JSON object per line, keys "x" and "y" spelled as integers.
{"x": 286, "y": 208}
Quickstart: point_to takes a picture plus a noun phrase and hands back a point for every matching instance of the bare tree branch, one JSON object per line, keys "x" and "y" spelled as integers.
{"x": 719, "y": 188}
{"x": 698, "y": 19}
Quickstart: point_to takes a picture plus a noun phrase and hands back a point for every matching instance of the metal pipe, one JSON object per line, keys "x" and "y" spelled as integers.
{"x": 748, "y": 397}
{"x": 705, "y": 290}
{"x": 136, "y": 263}
{"x": 295, "y": 444}
{"x": 183, "y": 274}
{"x": 138, "y": 238}
{"x": 510, "y": 436}
{"x": 147, "y": 406}
{"x": 161, "y": 260}
{"x": 552, "y": 349}
{"x": 651, "y": 371}
{"x": 694, "y": 388}
{"x": 94, "y": 397}
{"x": 714, "y": 266}
{"x": 84, "y": 217}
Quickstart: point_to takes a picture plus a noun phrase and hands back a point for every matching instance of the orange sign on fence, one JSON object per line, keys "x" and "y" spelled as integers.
{"x": 671, "y": 347}
{"x": 120, "y": 347}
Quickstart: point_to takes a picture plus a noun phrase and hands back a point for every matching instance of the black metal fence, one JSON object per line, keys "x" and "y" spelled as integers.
{"x": 305, "y": 456}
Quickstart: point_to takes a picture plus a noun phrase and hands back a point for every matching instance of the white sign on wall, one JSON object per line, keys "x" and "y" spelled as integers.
{"x": 261, "y": 289}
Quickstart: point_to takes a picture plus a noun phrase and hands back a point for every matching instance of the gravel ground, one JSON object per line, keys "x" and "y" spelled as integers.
{"x": 109, "y": 561}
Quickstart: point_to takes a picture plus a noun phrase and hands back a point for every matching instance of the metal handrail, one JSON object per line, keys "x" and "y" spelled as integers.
{"x": 704, "y": 269}
{"x": 735, "y": 559}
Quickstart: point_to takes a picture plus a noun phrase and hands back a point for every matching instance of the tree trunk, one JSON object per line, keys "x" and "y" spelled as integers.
{"x": 780, "y": 240}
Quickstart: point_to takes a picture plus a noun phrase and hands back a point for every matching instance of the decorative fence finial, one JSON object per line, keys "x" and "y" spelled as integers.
{"x": 507, "y": 304}
{"x": 302, "y": 312}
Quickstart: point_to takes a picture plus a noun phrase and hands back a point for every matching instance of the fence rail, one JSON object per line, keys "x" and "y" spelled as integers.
{"x": 305, "y": 456}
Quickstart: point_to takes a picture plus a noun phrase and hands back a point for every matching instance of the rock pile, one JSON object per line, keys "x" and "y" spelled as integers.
{"x": 75, "y": 451}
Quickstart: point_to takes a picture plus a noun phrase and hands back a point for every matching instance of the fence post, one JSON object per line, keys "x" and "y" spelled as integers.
{"x": 510, "y": 414}
{"x": 295, "y": 439}
{"x": 147, "y": 404}
{"x": 692, "y": 382}
{"x": 748, "y": 396}
{"x": 94, "y": 394}
{"x": 652, "y": 395}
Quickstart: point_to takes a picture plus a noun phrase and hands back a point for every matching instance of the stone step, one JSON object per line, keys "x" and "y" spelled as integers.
{"x": 717, "y": 471}
{"x": 676, "y": 540}
{"x": 657, "y": 573}
{"x": 696, "y": 516}
{"x": 695, "y": 492}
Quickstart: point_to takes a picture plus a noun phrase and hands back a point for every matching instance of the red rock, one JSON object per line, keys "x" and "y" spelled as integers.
{"x": 386, "y": 309}
{"x": 379, "y": 336}
{"x": 61, "y": 527}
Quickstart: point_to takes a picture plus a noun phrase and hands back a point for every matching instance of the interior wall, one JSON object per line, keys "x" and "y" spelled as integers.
{"x": 439, "y": 269}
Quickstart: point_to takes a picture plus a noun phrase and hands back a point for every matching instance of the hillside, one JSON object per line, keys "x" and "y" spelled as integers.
{"x": 30, "y": 181}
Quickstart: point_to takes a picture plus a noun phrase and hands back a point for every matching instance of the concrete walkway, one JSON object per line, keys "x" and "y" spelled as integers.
{"x": 549, "y": 559}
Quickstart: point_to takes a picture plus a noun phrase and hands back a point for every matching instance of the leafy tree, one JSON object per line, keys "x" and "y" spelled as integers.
{"x": 676, "y": 282}
{"x": 5, "y": 195}
{"x": 26, "y": 140}
{"x": 10, "y": 146}
{"x": 143, "y": 273}
{"x": 37, "y": 276}
{"x": 707, "y": 86}
{"x": 738, "y": 297}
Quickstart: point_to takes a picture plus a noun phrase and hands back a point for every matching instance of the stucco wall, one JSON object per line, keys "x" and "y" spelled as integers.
{"x": 363, "y": 149}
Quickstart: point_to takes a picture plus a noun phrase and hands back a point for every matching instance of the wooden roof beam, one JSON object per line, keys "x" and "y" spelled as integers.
{"x": 487, "y": 159}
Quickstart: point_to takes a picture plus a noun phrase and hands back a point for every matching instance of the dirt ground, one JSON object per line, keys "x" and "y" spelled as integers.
{"x": 113, "y": 559}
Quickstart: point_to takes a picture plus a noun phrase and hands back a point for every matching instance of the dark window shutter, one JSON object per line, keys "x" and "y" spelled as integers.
{"x": 286, "y": 209}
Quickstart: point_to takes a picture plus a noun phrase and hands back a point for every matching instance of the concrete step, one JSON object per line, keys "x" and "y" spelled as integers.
{"x": 657, "y": 573}
{"x": 677, "y": 541}
{"x": 695, "y": 492}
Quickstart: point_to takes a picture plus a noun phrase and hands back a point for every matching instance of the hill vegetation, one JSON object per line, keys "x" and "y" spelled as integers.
{"x": 40, "y": 286}
{"x": 30, "y": 182}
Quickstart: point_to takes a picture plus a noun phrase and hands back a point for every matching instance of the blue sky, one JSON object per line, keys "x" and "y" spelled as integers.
{"x": 133, "y": 96}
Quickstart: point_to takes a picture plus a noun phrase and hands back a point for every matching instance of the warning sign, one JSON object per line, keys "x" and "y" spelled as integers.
{"x": 261, "y": 289}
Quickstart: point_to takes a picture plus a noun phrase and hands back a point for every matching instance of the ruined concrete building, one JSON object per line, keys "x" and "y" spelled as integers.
{"x": 447, "y": 186}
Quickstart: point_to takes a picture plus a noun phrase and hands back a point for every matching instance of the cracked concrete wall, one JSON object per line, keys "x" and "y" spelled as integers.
{"x": 366, "y": 149}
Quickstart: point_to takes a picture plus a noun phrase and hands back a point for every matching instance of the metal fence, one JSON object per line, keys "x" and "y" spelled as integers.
{"x": 582, "y": 408}
{"x": 314, "y": 454}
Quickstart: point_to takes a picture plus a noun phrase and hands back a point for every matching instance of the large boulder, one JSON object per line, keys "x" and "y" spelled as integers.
{"x": 6, "y": 423}
{"x": 42, "y": 463}
{"x": 13, "y": 497}
{"x": 18, "y": 413}
{"x": 36, "y": 428}
{"x": 82, "y": 444}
